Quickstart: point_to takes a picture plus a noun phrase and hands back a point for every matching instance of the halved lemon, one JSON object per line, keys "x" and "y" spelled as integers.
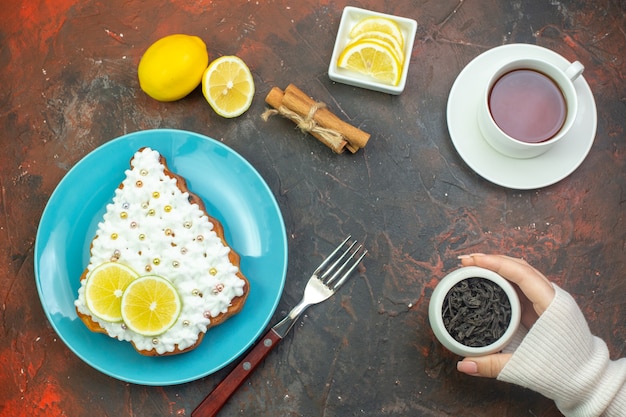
{"x": 378, "y": 24}
{"x": 104, "y": 288}
{"x": 228, "y": 86}
{"x": 150, "y": 305}
{"x": 373, "y": 59}
{"x": 385, "y": 39}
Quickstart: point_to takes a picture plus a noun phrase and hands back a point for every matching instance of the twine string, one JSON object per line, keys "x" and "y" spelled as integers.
{"x": 308, "y": 124}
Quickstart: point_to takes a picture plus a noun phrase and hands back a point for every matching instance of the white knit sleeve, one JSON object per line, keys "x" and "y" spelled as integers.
{"x": 562, "y": 360}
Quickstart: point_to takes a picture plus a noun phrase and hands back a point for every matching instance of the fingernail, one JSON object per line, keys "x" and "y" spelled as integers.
{"x": 471, "y": 255}
{"x": 467, "y": 367}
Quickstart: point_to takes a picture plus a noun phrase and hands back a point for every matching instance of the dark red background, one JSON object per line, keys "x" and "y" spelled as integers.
{"x": 68, "y": 84}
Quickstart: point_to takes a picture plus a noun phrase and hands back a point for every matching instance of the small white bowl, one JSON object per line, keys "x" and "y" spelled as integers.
{"x": 351, "y": 16}
{"x": 436, "y": 304}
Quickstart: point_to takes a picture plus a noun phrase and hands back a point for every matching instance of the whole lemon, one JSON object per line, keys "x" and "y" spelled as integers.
{"x": 172, "y": 67}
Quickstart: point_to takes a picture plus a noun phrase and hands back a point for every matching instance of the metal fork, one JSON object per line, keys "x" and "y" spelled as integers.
{"x": 331, "y": 274}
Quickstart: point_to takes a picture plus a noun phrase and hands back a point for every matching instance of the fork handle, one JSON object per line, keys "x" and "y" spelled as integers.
{"x": 213, "y": 403}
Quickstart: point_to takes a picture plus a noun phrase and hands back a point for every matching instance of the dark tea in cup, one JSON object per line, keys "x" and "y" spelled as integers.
{"x": 527, "y": 105}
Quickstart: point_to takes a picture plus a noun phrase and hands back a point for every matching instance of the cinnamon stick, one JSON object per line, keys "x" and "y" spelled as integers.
{"x": 299, "y": 101}
{"x": 316, "y": 119}
{"x": 275, "y": 99}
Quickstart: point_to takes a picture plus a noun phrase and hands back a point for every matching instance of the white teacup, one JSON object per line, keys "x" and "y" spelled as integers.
{"x": 528, "y": 106}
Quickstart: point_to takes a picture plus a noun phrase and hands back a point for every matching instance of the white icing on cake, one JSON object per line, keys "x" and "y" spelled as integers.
{"x": 153, "y": 228}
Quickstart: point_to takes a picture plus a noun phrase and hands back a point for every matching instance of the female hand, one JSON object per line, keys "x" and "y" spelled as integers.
{"x": 536, "y": 295}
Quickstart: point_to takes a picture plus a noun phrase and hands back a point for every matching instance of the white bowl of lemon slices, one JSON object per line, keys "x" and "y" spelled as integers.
{"x": 372, "y": 50}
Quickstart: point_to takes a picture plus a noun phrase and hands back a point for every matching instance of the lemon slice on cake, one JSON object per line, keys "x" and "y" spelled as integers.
{"x": 228, "y": 86}
{"x": 104, "y": 288}
{"x": 150, "y": 305}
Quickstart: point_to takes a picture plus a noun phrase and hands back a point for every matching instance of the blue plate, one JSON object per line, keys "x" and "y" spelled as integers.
{"x": 234, "y": 193}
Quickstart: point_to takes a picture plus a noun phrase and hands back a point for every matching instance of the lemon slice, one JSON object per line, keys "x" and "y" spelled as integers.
{"x": 385, "y": 39}
{"x": 150, "y": 305}
{"x": 378, "y": 24}
{"x": 228, "y": 86}
{"x": 373, "y": 59}
{"x": 104, "y": 288}
{"x": 172, "y": 67}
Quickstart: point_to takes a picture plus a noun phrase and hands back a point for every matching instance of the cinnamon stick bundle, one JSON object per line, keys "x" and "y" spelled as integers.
{"x": 314, "y": 118}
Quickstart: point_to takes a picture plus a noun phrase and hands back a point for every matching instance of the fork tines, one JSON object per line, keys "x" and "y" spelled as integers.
{"x": 343, "y": 260}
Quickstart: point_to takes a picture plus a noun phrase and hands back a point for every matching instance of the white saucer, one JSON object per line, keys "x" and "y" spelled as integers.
{"x": 520, "y": 174}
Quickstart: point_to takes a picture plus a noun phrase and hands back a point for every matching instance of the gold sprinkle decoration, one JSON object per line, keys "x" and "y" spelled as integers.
{"x": 142, "y": 236}
{"x": 175, "y": 264}
{"x": 200, "y": 238}
{"x": 114, "y": 236}
{"x": 185, "y": 323}
{"x": 139, "y": 183}
{"x": 213, "y": 271}
{"x": 144, "y": 205}
{"x": 167, "y": 209}
{"x": 151, "y": 212}
{"x": 195, "y": 292}
{"x": 148, "y": 268}
{"x": 156, "y": 261}
{"x": 187, "y": 225}
{"x": 123, "y": 215}
{"x": 143, "y": 172}
{"x": 155, "y": 194}
{"x": 168, "y": 232}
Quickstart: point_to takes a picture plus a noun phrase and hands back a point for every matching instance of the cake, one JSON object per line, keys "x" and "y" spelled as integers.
{"x": 155, "y": 225}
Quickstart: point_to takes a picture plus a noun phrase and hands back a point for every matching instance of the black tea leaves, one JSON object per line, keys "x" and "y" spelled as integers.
{"x": 476, "y": 312}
